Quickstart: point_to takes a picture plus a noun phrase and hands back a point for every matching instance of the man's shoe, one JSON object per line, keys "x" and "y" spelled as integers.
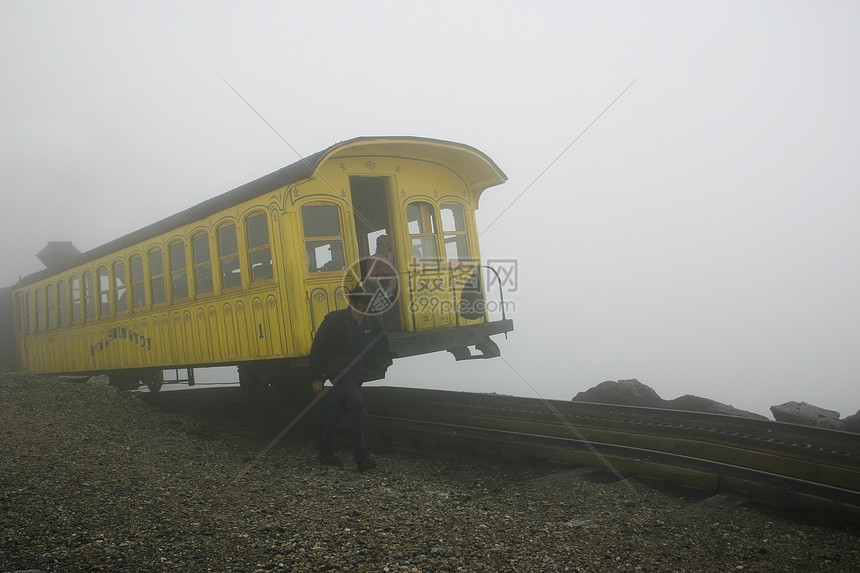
{"x": 329, "y": 459}
{"x": 367, "y": 463}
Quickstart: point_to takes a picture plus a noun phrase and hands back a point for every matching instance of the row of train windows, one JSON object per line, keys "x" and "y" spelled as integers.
{"x": 91, "y": 296}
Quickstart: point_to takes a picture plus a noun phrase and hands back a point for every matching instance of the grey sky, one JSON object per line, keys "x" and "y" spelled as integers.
{"x": 702, "y": 237}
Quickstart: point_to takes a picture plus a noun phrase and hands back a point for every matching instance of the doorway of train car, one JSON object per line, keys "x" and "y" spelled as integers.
{"x": 373, "y": 230}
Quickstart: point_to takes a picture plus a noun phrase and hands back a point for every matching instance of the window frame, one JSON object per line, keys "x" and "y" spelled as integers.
{"x": 62, "y": 303}
{"x": 139, "y": 283}
{"x": 40, "y": 309}
{"x": 331, "y": 239}
{"x": 423, "y": 235}
{"x": 88, "y": 296}
{"x": 223, "y": 258}
{"x": 250, "y": 251}
{"x": 20, "y": 312}
{"x": 156, "y": 279}
{"x": 31, "y": 313}
{"x": 103, "y": 294}
{"x": 464, "y": 234}
{"x": 117, "y": 288}
{"x": 197, "y": 266}
{"x": 175, "y": 272}
{"x": 51, "y": 305}
{"x": 75, "y": 284}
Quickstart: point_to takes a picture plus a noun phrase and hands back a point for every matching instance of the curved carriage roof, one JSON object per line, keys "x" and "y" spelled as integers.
{"x": 474, "y": 167}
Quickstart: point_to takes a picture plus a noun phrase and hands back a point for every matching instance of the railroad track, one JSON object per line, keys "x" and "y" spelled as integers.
{"x": 799, "y": 467}
{"x": 804, "y": 468}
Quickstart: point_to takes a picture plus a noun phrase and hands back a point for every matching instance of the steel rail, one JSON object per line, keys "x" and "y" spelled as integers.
{"x": 832, "y": 447}
{"x": 808, "y": 496}
{"x": 809, "y": 469}
{"x": 794, "y": 465}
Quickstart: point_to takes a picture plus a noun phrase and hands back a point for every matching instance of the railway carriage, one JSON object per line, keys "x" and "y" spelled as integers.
{"x": 245, "y": 278}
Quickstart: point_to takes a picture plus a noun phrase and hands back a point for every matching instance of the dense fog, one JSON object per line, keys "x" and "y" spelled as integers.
{"x": 699, "y": 234}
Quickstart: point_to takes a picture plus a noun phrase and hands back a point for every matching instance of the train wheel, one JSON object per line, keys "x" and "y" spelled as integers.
{"x": 125, "y": 380}
{"x": 255, "y": 391}
{"x": 292, "y": 384}
{"x": 254, "y": 382}
{"x": 153, "y": 379}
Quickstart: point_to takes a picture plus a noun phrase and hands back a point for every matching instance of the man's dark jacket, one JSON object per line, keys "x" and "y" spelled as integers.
{"x": 333, "y": 348}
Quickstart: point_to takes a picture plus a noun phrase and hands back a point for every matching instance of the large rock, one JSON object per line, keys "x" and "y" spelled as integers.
{"x": 806, "y": 414}
{"x": 634, "y": 393}
{"x": 852, "y": 423}
{"x": 698, "y": 404}
{"x": 624, "y": 392}
{"x": 99, "y": 380}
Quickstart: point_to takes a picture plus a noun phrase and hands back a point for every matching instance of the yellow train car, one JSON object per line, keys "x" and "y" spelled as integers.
{"x": 245, "y": 278}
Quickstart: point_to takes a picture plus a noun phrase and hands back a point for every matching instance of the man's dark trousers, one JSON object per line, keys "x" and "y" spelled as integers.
{"x": 346, "y": 400}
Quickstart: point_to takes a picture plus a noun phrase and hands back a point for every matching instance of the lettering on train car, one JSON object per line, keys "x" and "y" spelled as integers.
{"x": 122, "y": 333}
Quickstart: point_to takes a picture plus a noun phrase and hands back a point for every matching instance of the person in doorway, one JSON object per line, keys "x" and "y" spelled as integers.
{"x": 381, "y": 276}
{"x": 350, "y": 348}
{"x": 380, "y": 266}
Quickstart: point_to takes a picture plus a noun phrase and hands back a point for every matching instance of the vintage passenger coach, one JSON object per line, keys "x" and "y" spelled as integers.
{"x": 246, "y": 277}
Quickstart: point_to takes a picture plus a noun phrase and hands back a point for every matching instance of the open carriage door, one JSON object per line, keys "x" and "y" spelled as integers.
{"x": 374, "y": 231}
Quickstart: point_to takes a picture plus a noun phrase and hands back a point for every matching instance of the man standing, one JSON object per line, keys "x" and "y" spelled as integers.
{"x": 349, "y": 349}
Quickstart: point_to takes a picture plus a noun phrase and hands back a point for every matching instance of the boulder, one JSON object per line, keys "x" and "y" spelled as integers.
{"x": 806, "y": 415}
{"x": 852, "y": 423}
{"x": 100, "y": 380}
{"x": 634, "y": 393}
{"x": 623, "y": 392}
{"x": 698, "y": 404}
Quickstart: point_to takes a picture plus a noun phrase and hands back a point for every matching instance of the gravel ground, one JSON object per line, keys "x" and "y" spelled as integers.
{"x": 96, "y": 480}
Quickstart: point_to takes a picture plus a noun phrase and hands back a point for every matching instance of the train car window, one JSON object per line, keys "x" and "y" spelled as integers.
{"x": 259, "y": 250}
{"x": 120, "y": 301}
{"x": 104, "y": 292}
{"x": 31, "y": 319}
{"x": 202, "y": 264}
{"x": 52, "y": 306}
{"x": 22, "y": 313}
{"x": 89, "y": 296}
{"x": 323, "y": 240}
{"x": 228, "y": 256}
{"x": 138, "y": 291}
{"x": 420, "y": 218}
{"x": 62, "y": 303}
{"x": 40, "y": 310}
{"x": 178, "y": 274}
{"x": 321, "y": 220}
{"x": 421, "y": 222}
{"x": 454, "y": 232}
{"x": 156, "y": 277}
{"x": 76, "y": 299}
{"x": 19, "y": 312}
